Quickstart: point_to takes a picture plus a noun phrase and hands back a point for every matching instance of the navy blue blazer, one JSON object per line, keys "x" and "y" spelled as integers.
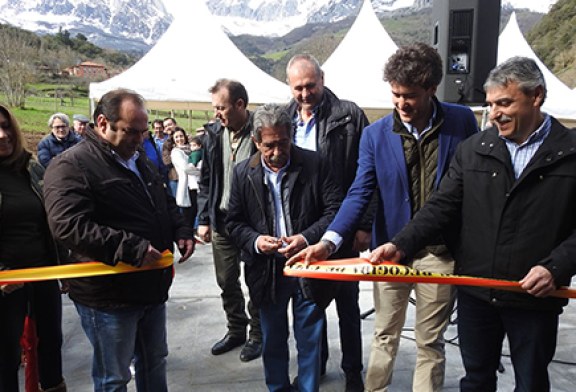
{"x": 382, "y": 166}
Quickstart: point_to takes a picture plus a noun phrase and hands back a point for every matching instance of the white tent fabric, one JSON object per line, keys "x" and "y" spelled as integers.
{"x": 187, "y": 60}
{"x": 356, "y": 68}
{"x": 560, "y": 98}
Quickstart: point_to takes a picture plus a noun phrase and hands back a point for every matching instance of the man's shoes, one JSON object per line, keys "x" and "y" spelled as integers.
{"x": 251, "y": 350}
{"x": 227, "y": 343}
{"x": 354, "y": 382}
{"x": 58, "y": 388}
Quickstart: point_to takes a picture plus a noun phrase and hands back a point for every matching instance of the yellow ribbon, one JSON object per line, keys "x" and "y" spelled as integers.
{"x": 78, "y": 270}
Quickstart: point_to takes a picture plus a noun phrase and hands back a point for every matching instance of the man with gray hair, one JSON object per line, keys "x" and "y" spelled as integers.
{"x": 58, "y": 140}
{"x": 509, "y": 194}
{"x": 333, "y": 127}
{"x": 282, "y": 199}
{"x": 403, "y": 156}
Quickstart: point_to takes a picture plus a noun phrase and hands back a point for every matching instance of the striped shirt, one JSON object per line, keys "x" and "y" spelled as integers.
{"x": 521, "y": 154}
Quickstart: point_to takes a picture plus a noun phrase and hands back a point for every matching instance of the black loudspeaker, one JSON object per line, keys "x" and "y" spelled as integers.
{"x": 466, "y": 37}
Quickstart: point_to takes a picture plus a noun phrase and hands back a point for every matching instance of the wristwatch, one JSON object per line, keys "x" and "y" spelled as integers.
{"x": 329, "y": 245}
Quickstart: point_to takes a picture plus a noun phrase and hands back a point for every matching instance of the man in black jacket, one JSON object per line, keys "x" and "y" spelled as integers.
{"x": 332, "y": 127}
{"x": 106, "y": 202}
{"x": 227, "y": 142}
{"x": 282, "y": 198}
{"x": 510, "y": 192}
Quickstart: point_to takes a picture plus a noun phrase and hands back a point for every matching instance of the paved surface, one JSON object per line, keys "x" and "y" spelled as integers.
{"x": 196, "y": 321}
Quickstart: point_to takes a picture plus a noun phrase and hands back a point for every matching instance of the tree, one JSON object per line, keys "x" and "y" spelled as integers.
{"x": 18, "y": 58}
{"x": 81, "y": 37}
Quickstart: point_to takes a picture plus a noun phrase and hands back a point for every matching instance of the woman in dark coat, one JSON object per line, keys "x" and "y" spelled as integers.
{"x": 25, "y": 242}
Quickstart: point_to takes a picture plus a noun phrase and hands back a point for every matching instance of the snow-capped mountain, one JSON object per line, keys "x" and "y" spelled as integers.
{"x": 278, "y": 17}
{"x": 138, "y": 24}
{"x": 134, "y": 24}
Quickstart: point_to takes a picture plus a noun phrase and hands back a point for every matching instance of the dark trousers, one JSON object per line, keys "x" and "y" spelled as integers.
{"x": 482, "y": 328}
{"x": 227, "y": 265}
{"x": 349, "y": 322}
{"x": 190, "y": 213}
{"x": 46, "y": 302}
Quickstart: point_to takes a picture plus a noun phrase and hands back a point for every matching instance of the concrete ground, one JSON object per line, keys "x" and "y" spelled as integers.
{"x": 196, "y": 321}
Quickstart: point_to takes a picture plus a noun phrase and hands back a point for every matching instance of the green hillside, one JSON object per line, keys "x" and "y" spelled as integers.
{"x": 27, "y": 59}
{"x": 554, "y": 40}
{"x": 404, "y": 27}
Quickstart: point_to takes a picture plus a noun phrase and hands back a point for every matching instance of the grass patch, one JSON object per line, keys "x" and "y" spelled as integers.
{"x": 34, "y": 116}
{"x": 275, "y": 56}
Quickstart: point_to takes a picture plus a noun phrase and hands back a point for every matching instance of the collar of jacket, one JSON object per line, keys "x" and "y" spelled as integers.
{"x": 438, "y": 121}
{"x": 69, "y": 138}
{"x": 102, "y": 144}
{"x": 560, "y": 143}
{"x": 328, "y": 113}
{"x": 215, "y": 129}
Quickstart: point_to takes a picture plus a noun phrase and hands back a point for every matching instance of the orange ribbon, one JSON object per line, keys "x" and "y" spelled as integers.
{"x": 357, "y": 269}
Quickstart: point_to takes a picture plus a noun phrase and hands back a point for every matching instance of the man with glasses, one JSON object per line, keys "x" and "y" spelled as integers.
{"x": 106, "y": 202}
{"x": 58, "y": 140}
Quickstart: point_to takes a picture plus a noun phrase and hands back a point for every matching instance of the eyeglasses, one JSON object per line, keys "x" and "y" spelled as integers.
{"x": 59, "y": 126}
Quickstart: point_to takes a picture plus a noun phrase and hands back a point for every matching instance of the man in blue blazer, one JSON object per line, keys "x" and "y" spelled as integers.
{"x": 403, "y": 156}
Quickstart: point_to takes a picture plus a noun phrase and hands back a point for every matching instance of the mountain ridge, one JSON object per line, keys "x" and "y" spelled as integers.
{"x": 108, "y": 23}
{"x": 117, "y": 24}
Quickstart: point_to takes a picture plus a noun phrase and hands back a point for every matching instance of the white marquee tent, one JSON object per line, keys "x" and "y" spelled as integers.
{"x": 560, "y": 100}
{"x": 194, "y": 52}
{"x": 187, "y": 60}
{"x": 356, "y": 68}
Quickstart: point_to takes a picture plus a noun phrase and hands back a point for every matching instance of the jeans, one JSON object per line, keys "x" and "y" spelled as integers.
{"x": 308, "y": 324}
{"x": 120, "y": 335}
{"x": 45, "y": 301}
{"x": 173, "y": 186}
{"x": 482, "y": 328}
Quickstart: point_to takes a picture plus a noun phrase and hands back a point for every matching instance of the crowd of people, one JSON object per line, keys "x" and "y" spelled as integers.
{"x": 291, "y": 182}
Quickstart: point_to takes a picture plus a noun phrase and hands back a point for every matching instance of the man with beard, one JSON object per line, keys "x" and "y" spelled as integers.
{"x": 227, "y": 142}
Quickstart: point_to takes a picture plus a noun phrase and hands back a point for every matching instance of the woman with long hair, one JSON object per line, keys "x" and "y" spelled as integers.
{"x": 25, "y": 242}
{"x": 188, "y": 173}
